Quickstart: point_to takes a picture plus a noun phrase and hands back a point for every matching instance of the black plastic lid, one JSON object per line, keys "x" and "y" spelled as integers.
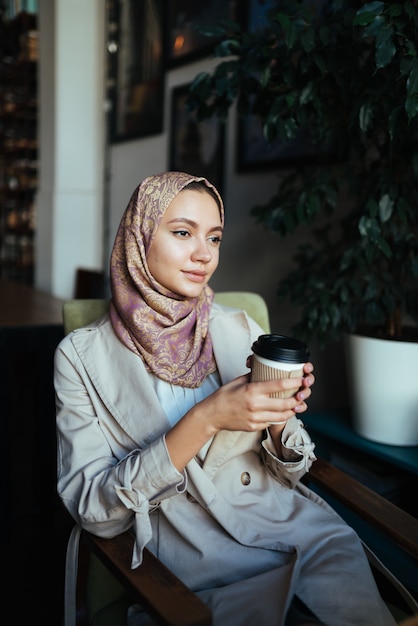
{"x": 281, "y": 348}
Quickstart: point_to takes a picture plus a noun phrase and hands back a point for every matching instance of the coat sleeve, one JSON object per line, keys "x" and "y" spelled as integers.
{"x": 297, "y": 450}
{"x": 106, "y": 484}
{"x": 238, "y": 333}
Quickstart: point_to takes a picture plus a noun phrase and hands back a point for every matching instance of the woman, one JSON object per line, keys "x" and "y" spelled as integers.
{"x": 159, "y": 427}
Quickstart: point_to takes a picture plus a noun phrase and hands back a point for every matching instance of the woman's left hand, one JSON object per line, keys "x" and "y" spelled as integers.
{"x": 302, "y": 394}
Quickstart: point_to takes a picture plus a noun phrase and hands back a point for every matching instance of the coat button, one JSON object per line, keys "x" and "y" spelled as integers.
{"x": 190, "y": 498}
{"x": 245, "y": 478}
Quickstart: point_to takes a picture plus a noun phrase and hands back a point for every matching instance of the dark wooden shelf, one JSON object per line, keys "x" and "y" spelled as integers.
{"x": 18, "y": 143}
{"x": 336, "y": 426}
{"x": 387, "y": 470}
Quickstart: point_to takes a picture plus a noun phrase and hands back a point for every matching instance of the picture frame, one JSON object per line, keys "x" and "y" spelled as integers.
{"x": 137, "y": 68}
{"x": 184, "y": 44}
{"x": 195, "y": 147}
{"x": 254, "y": 152}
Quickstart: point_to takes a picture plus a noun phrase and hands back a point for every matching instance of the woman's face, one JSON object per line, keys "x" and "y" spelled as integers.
{"x": 185, "y": 250}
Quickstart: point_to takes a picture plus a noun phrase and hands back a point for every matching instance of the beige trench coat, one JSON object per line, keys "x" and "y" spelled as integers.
{"x": 236, "y": 525}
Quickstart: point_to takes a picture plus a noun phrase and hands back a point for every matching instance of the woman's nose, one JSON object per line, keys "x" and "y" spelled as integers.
{"x": 202, "y": 251}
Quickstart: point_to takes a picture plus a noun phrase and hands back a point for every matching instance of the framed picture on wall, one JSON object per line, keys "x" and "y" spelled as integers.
{"x": 195, "y": 147}
{"x": 254, "y": 152}
{"x": 184, "y": 42}
{"x": 138, "y": 83}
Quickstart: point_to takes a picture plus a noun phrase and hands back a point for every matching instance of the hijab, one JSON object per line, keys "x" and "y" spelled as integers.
{"x": 168, "y": 331}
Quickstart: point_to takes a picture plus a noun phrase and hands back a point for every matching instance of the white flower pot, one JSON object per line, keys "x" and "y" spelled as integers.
{"x": 384, "y": 389}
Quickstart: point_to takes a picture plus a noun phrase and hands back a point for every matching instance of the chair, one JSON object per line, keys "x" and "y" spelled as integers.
{"x": 89, "y": 283}
{"x": 112, "y": 585}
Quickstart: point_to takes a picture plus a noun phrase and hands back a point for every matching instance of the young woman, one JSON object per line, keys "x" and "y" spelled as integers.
{"x": 160, "y": 428}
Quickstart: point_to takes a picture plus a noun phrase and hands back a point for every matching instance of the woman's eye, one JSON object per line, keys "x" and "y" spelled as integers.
{"x": 181, "y": 233}
{"x": 215, "y": 239}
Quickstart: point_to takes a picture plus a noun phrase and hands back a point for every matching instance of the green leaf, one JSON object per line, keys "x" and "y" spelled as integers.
{"x": 344, "y": 294}
{"x": 228, "y": 47}
{"x": 369, "y": 227}
{"x": 289, "y": 29}
{"x": 306, "y": 94}
{"x": 371, "y": 290}
{"x": 320, "y": 62}
{"x": 308, "y": 40}
{"x": 335, "y": 315}
{"x": 265, "y": 76}
{"x": 367, "y": 13}
{"x": 200, "y": 78}
{"x": 386, "y": 205}
{"x": 365, "y": 116}
{"x": 384, "y": 247}
{"x": 385, "y": 48}
{"x": 411, "y": 107}
{"x": 412, "y": 82}
{"x": 291, "y": 128}
{"x": 410, "y": 8}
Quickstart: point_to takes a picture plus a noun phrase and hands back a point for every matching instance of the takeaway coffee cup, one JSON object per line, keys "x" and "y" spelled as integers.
{"x": 278, "y": 356}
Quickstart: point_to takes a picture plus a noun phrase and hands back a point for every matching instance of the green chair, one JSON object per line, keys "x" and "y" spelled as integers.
{"x": 104, "y": 564}
{"x": 79, "y": 312}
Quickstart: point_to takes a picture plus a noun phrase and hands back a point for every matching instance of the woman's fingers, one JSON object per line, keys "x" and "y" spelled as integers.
{"x": 243, "y": 405}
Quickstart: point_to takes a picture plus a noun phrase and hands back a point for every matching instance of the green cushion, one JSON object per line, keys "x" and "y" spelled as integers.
{"x": 77, "y": 313}
{"x": 251, "y": 302}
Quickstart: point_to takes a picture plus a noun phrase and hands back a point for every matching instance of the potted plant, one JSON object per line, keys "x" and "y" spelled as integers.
{"x": 347, "y": 73}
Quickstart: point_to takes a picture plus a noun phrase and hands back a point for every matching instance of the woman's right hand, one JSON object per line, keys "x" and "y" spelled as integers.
{"x": 248, "y": 406}
{"x": 239, "y": 405}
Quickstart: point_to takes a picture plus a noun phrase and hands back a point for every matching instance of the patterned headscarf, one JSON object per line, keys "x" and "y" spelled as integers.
{"x": 169, "y": 331}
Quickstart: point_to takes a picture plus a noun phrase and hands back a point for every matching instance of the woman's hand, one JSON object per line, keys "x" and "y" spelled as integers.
{"x": 238, "y": 405}
{"x": 247, "y": 406}
{"x": 302, "y": 394}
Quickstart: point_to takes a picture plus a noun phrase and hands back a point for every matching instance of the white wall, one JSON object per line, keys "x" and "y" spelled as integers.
{"x": 70, "y": 200}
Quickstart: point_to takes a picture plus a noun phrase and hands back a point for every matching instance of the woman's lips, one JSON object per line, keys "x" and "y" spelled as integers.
{"x": 197, "y": 276}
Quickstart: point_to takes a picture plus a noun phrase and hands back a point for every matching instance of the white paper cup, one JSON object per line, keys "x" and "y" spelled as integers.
{"x": 264, "y": 369}
{"x": 278, "y": 356}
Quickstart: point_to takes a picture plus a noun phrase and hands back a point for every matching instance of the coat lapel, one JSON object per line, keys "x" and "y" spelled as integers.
{"x": 118, "y": 374}
{"x": 232, "y": 339}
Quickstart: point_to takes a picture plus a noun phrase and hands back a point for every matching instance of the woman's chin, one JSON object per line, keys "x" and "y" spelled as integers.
{"x": 191, "y": 291}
